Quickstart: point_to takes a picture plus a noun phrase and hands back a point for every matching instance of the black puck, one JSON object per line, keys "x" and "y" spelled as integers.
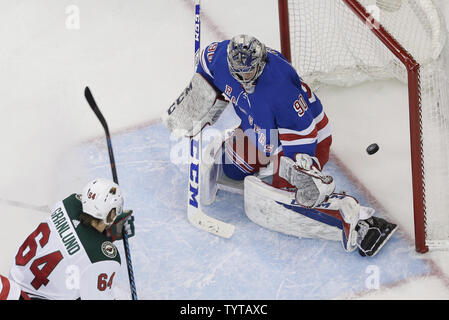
{"x": 372, "y": 148}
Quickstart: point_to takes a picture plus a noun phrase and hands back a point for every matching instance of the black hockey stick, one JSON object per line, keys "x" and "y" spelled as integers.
{"x": 90, "y": 99}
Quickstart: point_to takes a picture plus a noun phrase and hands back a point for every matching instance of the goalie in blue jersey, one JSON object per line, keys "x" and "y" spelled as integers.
{"x": 279, "y": 149}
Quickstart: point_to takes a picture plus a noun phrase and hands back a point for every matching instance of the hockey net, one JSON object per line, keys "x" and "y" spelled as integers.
{"x": 348, "y": 42}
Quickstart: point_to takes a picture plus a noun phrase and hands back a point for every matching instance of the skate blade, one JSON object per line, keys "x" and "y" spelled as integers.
{"x": 385, "y": 241}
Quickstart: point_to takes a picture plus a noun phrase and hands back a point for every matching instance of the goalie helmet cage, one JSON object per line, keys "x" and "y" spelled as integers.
{"x": 347, "y": 42}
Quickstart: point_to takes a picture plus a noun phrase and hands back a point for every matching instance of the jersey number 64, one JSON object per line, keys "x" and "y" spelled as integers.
{"x": 42, "y": 266}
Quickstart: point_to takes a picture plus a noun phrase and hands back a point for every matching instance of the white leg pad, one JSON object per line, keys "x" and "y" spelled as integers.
{"x": 264, "y": 206}
{"x": 212, "y": 177}
{"x": 277, "y": 210}
{"x": 210, "y": 171}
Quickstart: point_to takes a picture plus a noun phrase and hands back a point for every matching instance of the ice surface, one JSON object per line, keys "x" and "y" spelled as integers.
{"x": 174, "y": 260}
{"x": 137, "y": 56}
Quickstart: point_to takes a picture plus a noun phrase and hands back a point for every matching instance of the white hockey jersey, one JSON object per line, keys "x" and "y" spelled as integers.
{"x": 63, "y": 259}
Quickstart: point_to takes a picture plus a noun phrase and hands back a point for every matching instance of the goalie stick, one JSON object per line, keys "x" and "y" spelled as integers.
{"x": 90, "y": 99}
{"x": 195, "y": 215}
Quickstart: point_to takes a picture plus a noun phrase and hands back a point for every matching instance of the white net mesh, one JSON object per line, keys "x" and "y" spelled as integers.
{"x": 331, "y": 45}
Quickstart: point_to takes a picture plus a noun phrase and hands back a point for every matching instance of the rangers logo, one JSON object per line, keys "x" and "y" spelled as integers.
{"x": 228, "y": 91}
{"x": 109, "y": 250}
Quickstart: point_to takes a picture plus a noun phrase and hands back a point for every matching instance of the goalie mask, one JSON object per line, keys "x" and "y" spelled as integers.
{"x": 246, "y": 60}
{"x": 99, "y": 197}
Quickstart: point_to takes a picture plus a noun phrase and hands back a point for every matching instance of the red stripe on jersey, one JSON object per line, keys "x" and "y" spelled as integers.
{"x": 241, "y": 149}
{"x": 5, "y": 288}
{"x": 309, "y": 91}
{"x": 25, "y": 295}
{"x": 293, "y": 136}
{"x": 320, "y": 125}
{"x": 322, "y": 151}
{"x": 239, "y": 163}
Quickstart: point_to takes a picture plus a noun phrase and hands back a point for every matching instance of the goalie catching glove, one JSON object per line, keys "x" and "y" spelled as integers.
{"x": 312, "y": 186}
{"x": 197, "y": 106}
{"x": 125, "y": 221}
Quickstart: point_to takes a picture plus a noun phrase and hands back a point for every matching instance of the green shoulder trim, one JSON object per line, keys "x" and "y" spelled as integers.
{"x": 97, "y": 245}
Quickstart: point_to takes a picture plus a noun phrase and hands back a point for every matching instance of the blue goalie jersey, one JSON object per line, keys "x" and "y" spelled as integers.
{"x": 281, "y": 115}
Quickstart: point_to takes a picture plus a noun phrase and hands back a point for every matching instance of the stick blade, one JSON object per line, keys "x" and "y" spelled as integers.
{"x": 93, "y": 105}
{"x": 204, "y": 222}
{"x": 90, "y": 98}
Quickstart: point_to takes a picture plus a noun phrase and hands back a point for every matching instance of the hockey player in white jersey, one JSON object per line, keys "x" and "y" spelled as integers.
{"x": 71, "y": 255}
{"x": 284, "y": 134}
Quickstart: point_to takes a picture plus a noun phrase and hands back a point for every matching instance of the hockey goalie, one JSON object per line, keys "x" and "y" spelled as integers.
{"x": 278, "y": 151}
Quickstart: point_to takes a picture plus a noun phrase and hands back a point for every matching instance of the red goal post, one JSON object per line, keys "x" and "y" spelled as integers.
{"x": 412, "y": 70}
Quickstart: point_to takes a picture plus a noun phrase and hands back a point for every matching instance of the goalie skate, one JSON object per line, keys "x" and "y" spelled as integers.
{"x": 373, "y": 234}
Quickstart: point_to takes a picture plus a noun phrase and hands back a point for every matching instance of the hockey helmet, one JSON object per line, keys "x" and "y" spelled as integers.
{"x": 246, "y": 60}
{"x": 99, "y": 197}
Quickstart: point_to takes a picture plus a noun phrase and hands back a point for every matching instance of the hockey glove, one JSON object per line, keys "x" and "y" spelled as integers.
{"x": 312, "y": 187}
{"x": 124, "y": 221}
{"x": 304, "y": 161}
